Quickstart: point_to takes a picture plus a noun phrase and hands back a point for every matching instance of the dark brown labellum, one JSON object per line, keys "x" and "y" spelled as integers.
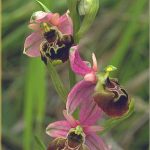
{"x": 114, "y": 100}
{"x": 56, "y": 46}
{"x": 72, "y": 142}
{"x": 51, "y": 35}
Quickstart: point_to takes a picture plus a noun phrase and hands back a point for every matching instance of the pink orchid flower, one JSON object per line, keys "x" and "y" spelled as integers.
{"x": 72, "y": 134}
{"x": 51, "y": 38}
{"x": 95, "y": 88}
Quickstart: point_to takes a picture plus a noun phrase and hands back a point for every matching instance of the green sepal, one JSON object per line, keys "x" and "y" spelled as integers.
{"x": 84, "y": 6}
{"x": 43, "y": 6}
{"x": 110, "y": 123}
{"x": 41, "y": 145}
{"x": 57, "y": 83}
{"x": 89, "y": 18}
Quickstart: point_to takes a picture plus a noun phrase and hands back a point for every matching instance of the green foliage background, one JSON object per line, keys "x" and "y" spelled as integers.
{"x": 119, "y": 36}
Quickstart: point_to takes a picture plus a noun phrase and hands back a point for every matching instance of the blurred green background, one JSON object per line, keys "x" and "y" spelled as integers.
{"x": 119, "y": 36}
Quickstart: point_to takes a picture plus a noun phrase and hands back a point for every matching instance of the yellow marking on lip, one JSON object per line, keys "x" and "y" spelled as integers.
{"x": 78, "y": 130}
{"x": 46, "y": 27}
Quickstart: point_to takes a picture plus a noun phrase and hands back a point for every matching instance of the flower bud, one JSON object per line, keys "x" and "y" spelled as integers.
{"x": 113, "y": 99}
{"x": 84, "y": 6}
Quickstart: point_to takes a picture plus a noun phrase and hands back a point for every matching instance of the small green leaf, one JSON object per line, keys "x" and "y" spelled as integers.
{"x": 110, "y": 123}
{"x": 43, "y": 6}
{"x": 40, "y": 143}
{"x": 89, "y": 18}
{"x": 57, "y": 83}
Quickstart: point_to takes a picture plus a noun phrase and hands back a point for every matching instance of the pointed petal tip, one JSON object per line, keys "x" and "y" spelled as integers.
{"x": 65, "y": 24}
{"x": 94, "y": 62}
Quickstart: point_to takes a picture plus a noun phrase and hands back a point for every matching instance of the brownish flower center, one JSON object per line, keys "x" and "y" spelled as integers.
{"x": 55, "y": 48}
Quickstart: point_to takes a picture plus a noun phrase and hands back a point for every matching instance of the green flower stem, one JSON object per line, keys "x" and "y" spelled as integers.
{"x": 72, "y": 77}
{"x": 57, "y": 83}
{"x": 72, "y": 5}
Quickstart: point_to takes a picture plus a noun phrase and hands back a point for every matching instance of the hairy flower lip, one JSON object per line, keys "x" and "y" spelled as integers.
{"x": 114, "y": 102}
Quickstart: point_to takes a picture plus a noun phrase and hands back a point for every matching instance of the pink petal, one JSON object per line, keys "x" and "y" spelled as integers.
{"x": 91, "y": 77}
{"x": 34, "y": 26}
{"x": 94, "y": 142}
{"x": 89, "y": 111}
{"x": 58, "y": 129}
{"x": 65, "y": 24}
{"x": 91, "y": 129}
{"x": 54, "y": 19}
{"x": 40, "y": 16}
{"x": 79, "y": 93}
{"x": 73, "y": 123}
{"x": 32, "y": 45}
{"x": 94, "y": 62}
{"x": 77, "y": 64}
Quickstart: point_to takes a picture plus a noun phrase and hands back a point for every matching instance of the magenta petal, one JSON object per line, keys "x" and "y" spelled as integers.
{"x": 77, "y": 64}
{"x": 40, "y": 16}
{"x": 89, "y": 111}
{"x": 58, "y": 129}
{"x": 65, "y": 24}
{"x": 91, "y": 129}
{"x": 94, "y": 142}
{"x": 73, "y": 123}
{"x": 79, "y": 93}
{"x": 32, "y": 44}
{"x": 34, "y": 26}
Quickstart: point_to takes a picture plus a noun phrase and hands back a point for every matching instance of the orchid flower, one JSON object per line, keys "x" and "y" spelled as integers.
{"x": 96, "y": 88}
{"x": 72, "y": 134}
{"x": 51, "y": 38}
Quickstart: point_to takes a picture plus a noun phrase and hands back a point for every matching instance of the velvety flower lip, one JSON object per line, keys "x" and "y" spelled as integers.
{"x": 51, "y": 38}
{"x": 96, "y": 89}
{"x": 65, "y": 131}
{"x": 114, "y": 102}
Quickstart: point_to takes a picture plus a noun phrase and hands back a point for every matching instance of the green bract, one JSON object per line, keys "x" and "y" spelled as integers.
{"x": 89, "y": 18}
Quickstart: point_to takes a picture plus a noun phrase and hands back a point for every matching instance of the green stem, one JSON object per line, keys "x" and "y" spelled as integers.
{"x": 57, "y": 83}
{"x": 72, "y": 5}
{"x": 72, "y": 77}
